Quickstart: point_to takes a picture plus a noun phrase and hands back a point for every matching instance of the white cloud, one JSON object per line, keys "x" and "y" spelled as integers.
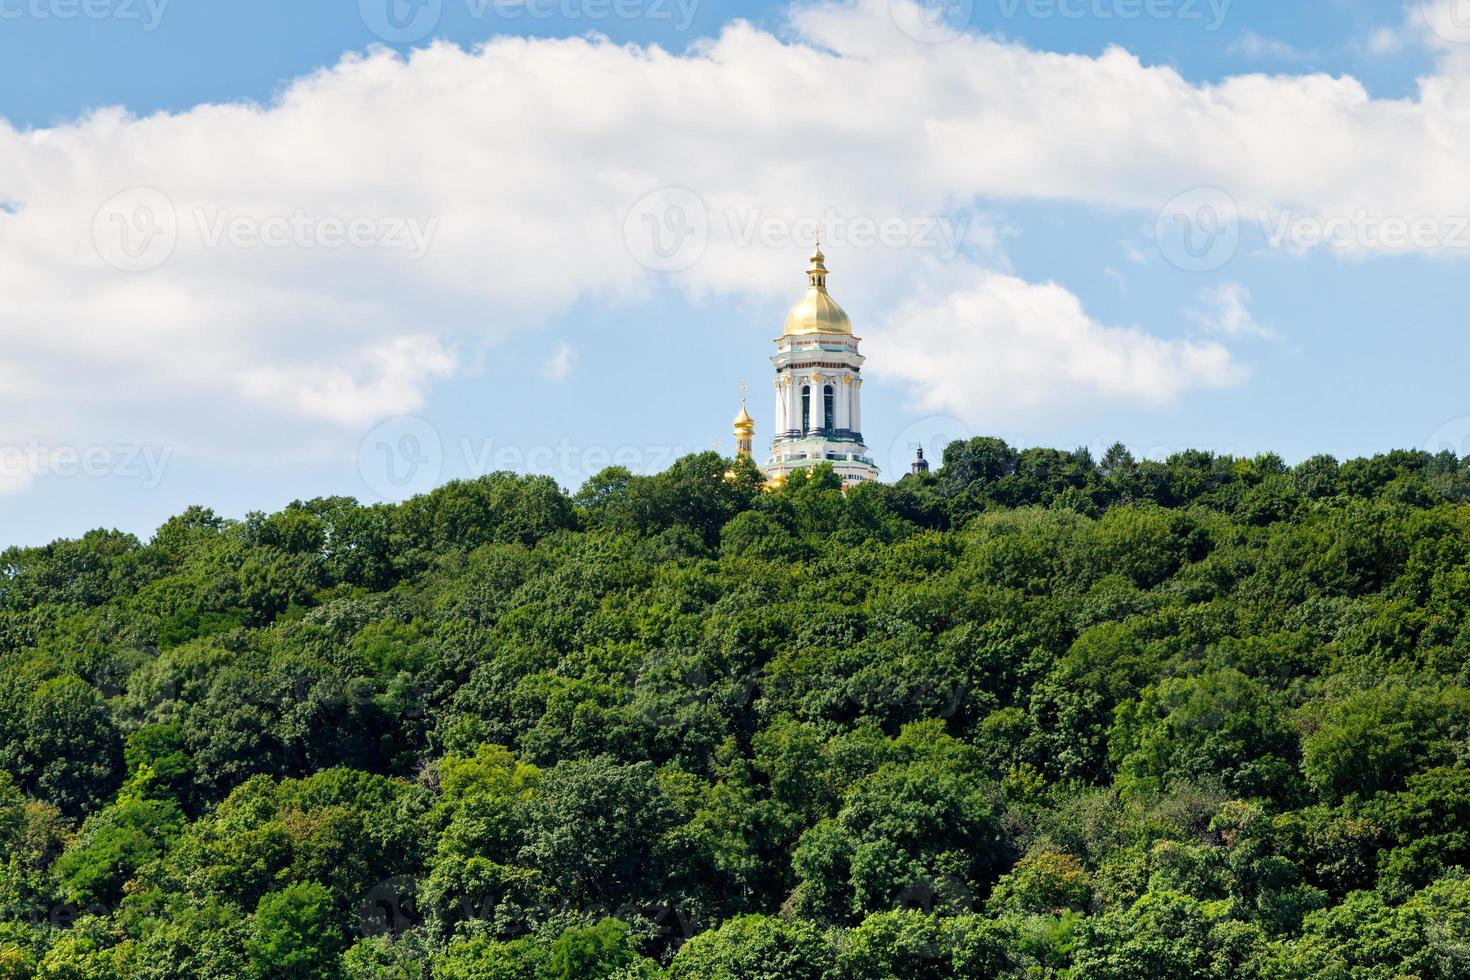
{"x": 1003, "y": 349}
{"x": 559, "y": 365}
{"x": 1386, "y": 41}
{"x": 530, "y": 153}
{"x": 1258, "y": 47}
{"x": 1229, "y": 313}
{"x": 1438, "y": 23}
{"x": 385, "y": 380}
{"x": 1435, "y": 24}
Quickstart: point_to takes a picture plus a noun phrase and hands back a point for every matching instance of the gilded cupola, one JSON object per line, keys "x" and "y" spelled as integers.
{"x": 818, "y": 312}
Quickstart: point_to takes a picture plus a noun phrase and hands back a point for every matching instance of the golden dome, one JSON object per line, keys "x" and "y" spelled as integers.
{"x": 743, "y": 420}
{"x": 817, "y": 312}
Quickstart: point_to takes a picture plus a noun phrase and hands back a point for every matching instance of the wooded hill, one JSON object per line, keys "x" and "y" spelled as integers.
{"x": 1034, "y": 715}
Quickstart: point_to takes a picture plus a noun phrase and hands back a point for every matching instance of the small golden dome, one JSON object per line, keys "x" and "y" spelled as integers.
{"x": 743, "y": 420}
{"x": 817, "y": 312}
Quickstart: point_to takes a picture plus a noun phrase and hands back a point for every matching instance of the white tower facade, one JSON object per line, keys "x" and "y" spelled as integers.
{"x": 819, "y": 414}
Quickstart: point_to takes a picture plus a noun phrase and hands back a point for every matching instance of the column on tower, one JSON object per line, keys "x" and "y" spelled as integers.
{"x": 818, "y": 404}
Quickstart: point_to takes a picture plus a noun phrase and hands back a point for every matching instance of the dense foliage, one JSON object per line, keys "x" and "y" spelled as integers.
{"x": 1033, "y": 715}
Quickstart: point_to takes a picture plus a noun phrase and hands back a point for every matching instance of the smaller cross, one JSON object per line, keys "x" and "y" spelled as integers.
{"x": 744, "y": 388}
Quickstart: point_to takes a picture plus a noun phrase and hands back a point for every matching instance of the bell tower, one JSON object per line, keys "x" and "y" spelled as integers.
{"x": 819, "y": 388}
{"x": 744, "y": 431}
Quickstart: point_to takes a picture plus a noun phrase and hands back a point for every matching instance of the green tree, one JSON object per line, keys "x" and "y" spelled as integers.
{"x": 595, "y": 831}
{"x": 753, "y": 947}
{"x": 1218, "y": 727}
{"x": 915, "y": 831}
{"x": 115, "y": 844}
{"x": 1373, "y": 740}
{"x": 1166, "y": 934}
{"x": 296, "y": 935}
{"x": 592, "y": 952}
{"x": 73, "y": 750}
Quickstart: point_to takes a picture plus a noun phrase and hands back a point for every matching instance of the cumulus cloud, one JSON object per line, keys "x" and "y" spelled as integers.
{"x": 1435, "y": 24}
{"x": 387, "y": 379}
{"x": 1384, "y": 41}
{"x": 1005, "y": 348}
{"x": 558, "y": 366}
{"x": 331, "y": 255}
{"x": 1228, "y": 313}
{"x": 1439, "y": 23}
{"x": 1260, "y": 47}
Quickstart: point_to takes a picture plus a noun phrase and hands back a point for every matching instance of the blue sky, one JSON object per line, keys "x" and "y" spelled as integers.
{"x": 532, "y": 333}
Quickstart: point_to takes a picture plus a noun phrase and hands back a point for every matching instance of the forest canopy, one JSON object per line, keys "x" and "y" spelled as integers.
{"x": 1032, "y": 715}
